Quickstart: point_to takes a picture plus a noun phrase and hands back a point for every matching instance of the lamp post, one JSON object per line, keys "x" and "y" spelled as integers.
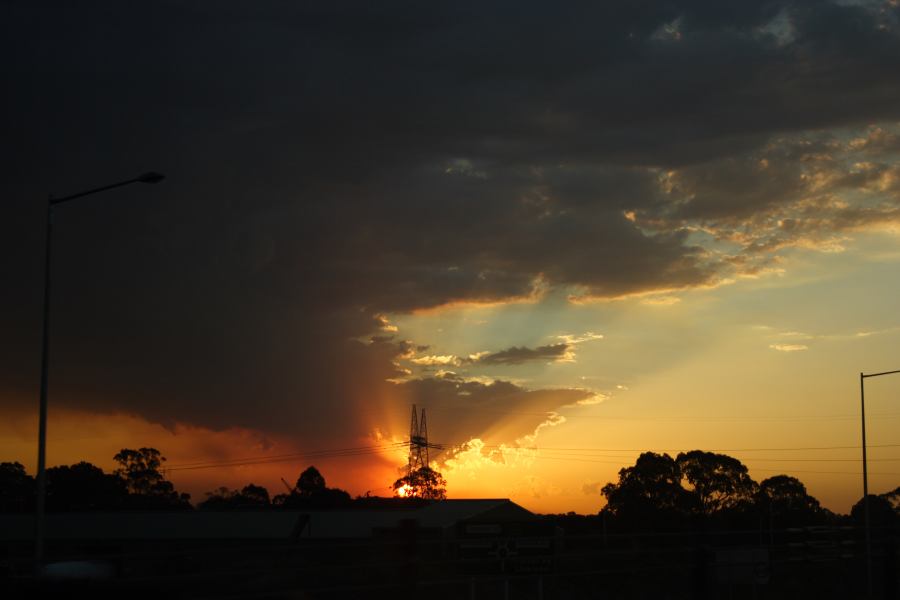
{"x": 862, "y": 405}
{"x": 150, "y": 177}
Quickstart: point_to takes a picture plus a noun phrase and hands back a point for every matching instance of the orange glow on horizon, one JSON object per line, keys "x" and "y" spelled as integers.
{"x": 81, "y": 436}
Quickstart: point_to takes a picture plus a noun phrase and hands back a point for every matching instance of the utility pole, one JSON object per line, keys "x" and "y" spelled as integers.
{"x": 40, "y": 504}
{"x": 866, "y": 509}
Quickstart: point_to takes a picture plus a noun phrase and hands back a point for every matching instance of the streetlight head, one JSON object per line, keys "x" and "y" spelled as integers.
{"x": 151, "y": 177}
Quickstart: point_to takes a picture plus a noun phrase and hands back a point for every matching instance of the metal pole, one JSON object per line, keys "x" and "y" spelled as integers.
{"x": 862, "y": 407}
{"x": 866, "y": 510}
{"x": 40, "y": 501}
{"x": 42, "y": 418}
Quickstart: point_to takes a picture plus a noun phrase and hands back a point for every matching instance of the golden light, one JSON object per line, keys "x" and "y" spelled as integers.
{"x": 403, "y": 491}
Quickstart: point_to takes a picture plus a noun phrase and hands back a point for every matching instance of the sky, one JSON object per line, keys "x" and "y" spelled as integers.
{"x": 569, "y": 233}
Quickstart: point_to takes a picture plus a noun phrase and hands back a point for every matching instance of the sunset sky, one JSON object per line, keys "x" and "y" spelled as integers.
{"x": 570, "y": 233}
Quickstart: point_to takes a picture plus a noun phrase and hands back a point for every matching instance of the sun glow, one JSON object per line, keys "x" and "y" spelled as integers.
{"x": 403, "y": 491}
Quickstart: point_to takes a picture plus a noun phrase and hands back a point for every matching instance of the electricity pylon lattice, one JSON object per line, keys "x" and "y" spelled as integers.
{"x": 418, "y": 442}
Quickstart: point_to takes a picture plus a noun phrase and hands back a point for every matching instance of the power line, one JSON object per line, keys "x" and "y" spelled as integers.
{"x": 307, "y": 453}
{"x": 587, "y": 460}
{"x": 240, "y": 462}
{"x": 829, "y": 472}
{"x": 785, "y": 449}
{"x": 688, "y": 419}
{"x": 263, "y": 462}
{"x": 573, "y": 454}
{"x": 753, "y": 458}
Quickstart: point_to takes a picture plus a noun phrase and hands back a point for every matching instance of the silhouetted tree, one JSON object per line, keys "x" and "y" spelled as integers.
{"x": 785, "y": 500}
{"x": 147, "y": 487}
{"x": 719, "y": 482}
{"x": 16, "y": 488}
{"x": 882, "y": 514}
{"x": 255, "y": 495}
{"x": 648, "y": 493}
{"x": 311, "y": 491}
{"x": 712, "y": 489}
{"x": 310, "y": 483}
{"x": 83, "y": 486}
{"x": 140, "y": 469}
{"x": 422, "y": 483}
{"x": 787, "y": 493}
{"x": 219, "y": 499}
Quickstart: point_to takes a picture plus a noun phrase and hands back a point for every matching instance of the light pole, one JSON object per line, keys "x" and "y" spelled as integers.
{"x": 45, "y": 348}
{"x": 862, "y": 406}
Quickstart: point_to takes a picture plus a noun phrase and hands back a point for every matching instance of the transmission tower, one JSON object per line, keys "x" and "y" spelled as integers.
{"x": 418, "y": 442}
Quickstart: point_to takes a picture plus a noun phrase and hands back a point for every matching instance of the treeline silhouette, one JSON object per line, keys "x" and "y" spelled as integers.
{"x": 706, "y": 491}
{"x": 139, "y": 483}
{"x": 693, "y": 490}
{"x": 310, "y": 491}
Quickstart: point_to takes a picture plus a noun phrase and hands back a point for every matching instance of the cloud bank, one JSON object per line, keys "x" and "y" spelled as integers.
{"x": 332, "y": 163}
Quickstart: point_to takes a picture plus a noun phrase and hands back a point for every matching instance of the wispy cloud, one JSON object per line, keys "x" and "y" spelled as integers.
{"x": 580, "y": 338}
{"x": 788, "y": 347}
{"x": 436, "y": 360}
{"x": 790, "y": 340}
{"x": 517, "y": 355}
{"x": 562, "y": 351}
{"x": 660, "y": 300}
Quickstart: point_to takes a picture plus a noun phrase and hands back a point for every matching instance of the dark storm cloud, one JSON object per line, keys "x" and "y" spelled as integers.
{"x": 330, "y": 162}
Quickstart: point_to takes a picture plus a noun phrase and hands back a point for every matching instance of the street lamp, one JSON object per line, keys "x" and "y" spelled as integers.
{"x": 862, "y": 404}
{"x": 149, "y": 177}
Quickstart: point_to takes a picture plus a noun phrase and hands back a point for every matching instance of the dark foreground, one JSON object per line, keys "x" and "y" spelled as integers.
{"x": 813, "y": 562}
